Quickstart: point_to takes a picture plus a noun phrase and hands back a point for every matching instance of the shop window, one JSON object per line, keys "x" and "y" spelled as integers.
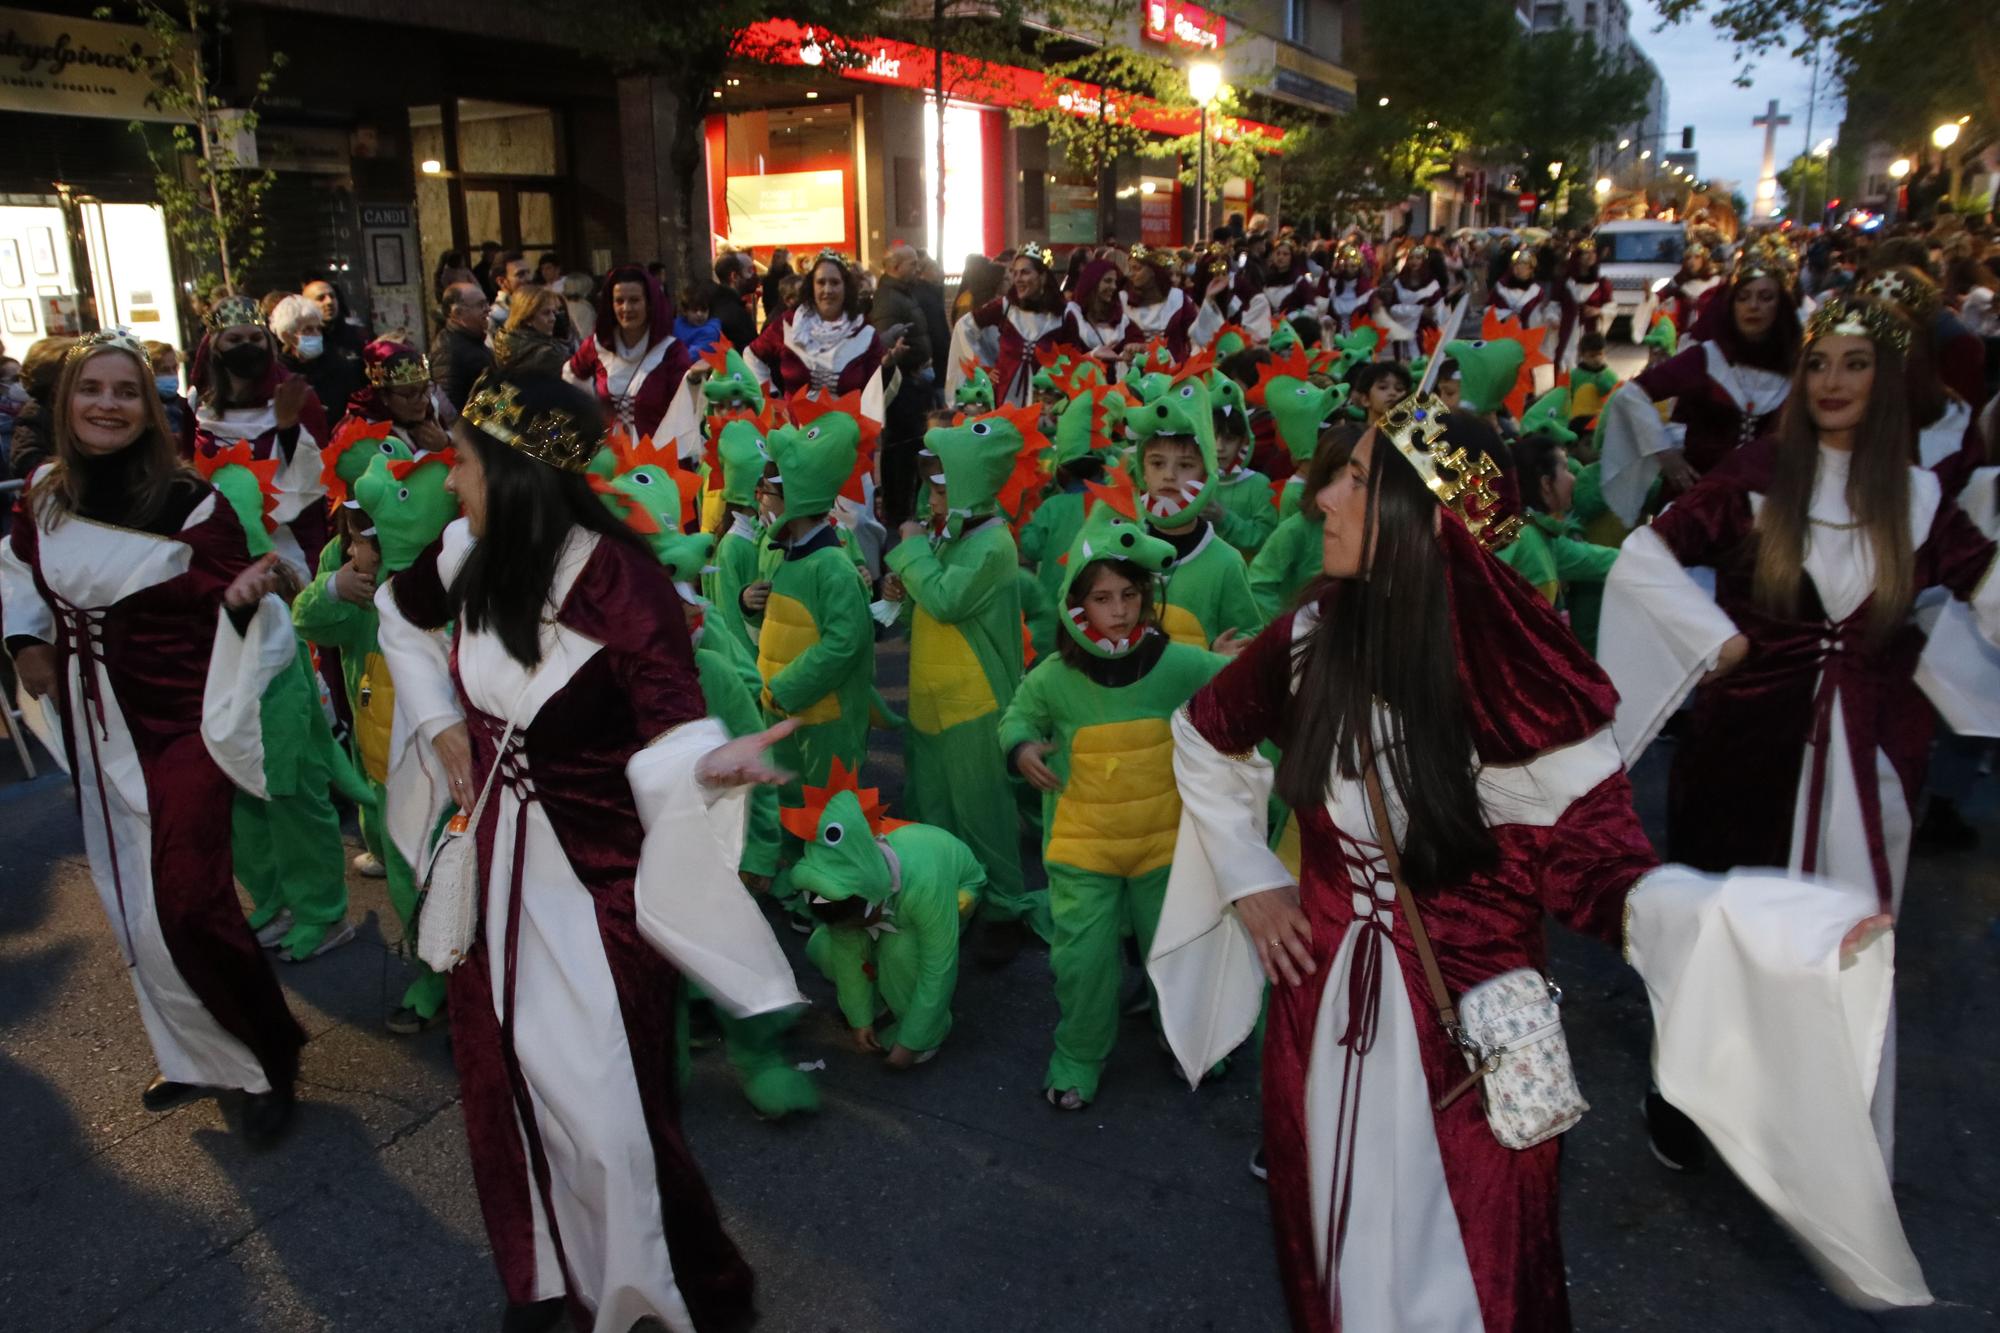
{"x": 964, "y": 180}
{"x": 503, "y": 139}
{"x": 788, "y": 178}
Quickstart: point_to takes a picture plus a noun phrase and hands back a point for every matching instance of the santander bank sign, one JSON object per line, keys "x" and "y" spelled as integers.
{"x": 1189, "y": 26}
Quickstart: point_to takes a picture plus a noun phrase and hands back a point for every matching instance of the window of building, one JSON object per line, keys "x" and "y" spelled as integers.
{"x": 1548, "y": 18}
{"x": 1298, "y": 21}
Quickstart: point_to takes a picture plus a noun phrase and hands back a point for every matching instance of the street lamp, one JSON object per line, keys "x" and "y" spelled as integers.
{"x": 1204, "y": 79}
{"x": 1899, "y": 168}
{"x": 1945, "y": 135}
{"x": 1645, "y": 154}
{"x": 1382, "y": 101}
{"x": 1604, "y": 185}
{"x": 1623, "y": 144}
{"x": 1823, "y": 149}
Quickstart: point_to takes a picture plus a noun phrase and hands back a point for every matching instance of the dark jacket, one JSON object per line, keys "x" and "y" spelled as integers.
{"x": 930, "y": 295}
{"x": 458, "y": 359}
{"x": 733, "y": 313}
{"x": 335, "y": 375}
{"x": 899, "y": 301}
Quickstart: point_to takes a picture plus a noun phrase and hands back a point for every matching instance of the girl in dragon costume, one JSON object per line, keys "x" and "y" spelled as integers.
{"x": 1089, "y": 729}
{"x": 1207, "y": 599}
{"x": 1551, "y": 553}
{"x": 965, "y": 653}
{"x": 1088, "y": 436}
{"x": 1242, "y": 511}
{"x": 891, "y": 898}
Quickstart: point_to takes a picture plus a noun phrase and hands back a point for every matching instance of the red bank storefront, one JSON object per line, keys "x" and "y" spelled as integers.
{"x": 845, "y": 160}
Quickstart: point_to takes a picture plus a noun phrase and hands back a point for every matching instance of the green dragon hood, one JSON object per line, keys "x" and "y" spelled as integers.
{"x": 1488, "y": 368}
{"x": 1092, "y": 423}
{"x": 1663, "y": 336}
{"x": 1182, "y": 412}
{"x": 840, "y": 824}
{"x": 975, "y": 394}
{"x": 731, "y": 386}
{"x": 355, "y": 442}
{"x": 1550, "y": 416}
{"x": 249, "y": 486}
{"x": 408, "y": 504}
{"x": 737, "y": 454}
{"x": 989, "y": 462}
{"x": 1107, "y": 534}
{"x": 822, "y": 456}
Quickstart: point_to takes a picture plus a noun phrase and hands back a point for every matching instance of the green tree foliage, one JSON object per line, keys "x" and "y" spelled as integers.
{"x": 1565, "y": 97}
{"x": 211, "y": 198}
{"x": 1805, "y": 181}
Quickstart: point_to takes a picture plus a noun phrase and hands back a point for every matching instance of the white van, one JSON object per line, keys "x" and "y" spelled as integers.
{"x": 1640, "y": 258}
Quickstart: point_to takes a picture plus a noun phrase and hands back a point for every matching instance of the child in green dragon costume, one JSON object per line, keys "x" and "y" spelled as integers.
{"x": 735, "y": 466}
{"x": 975, "y": 392}
{"x": 1551, "y": 552}
{"x": 891, "y": 899}
{"x": 1242, "y": 510}
{"x": 1087, "y": 440}
{"x": 1207, "y": 600}
{"x": 287, "y": 848}
{"x": 400, "y": 506}
{"x": 1300, "y": 408}
{"x": 816, "y": 651}
{"x": 964, "y": 609}
{"x": 1089, "y": 729}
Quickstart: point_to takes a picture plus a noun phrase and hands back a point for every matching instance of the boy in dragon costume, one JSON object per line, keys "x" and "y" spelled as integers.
{"x": 964, "y": 609}
{"x": 400, "y": 506}
{"x": 1299, "y": 408}
{"x": 816, "y": 651}
{"x": 1172, "y": 460}
{"x": 975, "y": 392}
{"x": 736, "y": 459}
{"x": 1590, "y": 381}
{"x": 1551, "y": 551}
{"x": 287, "y": 848}
{"x": 1241, "y": 511}
{"x": 1088, "y": 436}
{"x": 891, "y": 899}
{"x": 1089, "y": 729}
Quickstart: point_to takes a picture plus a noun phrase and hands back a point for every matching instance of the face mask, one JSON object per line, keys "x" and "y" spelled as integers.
{"x": 246, "y": 360}
{"x": 311, "y": 345}
{"x": 168, "y": 385}
{"x": 17, "y": 392}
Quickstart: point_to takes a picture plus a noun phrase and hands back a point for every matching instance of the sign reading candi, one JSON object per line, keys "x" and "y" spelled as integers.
{"x": 60, "y": 66}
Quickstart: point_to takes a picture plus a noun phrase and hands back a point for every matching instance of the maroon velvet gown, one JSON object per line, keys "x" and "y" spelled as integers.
{"x": 570, "y": 759}
{"x": 1529, "y": 688}
{"x": 1014, "y": 365}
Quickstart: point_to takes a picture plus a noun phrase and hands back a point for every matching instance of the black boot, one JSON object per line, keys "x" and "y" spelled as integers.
{"x": 1944, "y": 829}
{"x": 1673, "y": 1137}
{"x": 163, "y": 1094}
{"x": 534, "y": 1317}
{"x": 999, "y": 942}
{"x": 266, "y": 1116}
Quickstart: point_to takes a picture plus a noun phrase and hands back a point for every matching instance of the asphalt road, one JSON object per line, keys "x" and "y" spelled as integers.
{"x": 948, "y": 1198}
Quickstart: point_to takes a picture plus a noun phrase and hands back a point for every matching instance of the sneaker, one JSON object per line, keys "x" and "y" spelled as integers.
{"x": 273, "y": 932}
{"x": 1673, "y": 1138}
{"x": 337, "y": 934}
{"x": 407, "y": 1022}
{"x": 1257, "y": 1167}
{"x": 1064, "y": 1099}
{"x": 369, "y": 866}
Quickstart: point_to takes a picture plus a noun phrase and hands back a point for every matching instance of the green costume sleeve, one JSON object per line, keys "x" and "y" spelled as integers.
{"x": 1035, "y": 536}
{"x": 1246, "y": 518}
{"x": 1529, "y": 556}
{"x": 931, "y": 919}
{"x": 1579, "y": 561}
{"x": 853, "y": 991}
{"x": 1237, "y": 607}
{"x": 951, "y": 594}
{"x": 1288, "y": 561}
{"x": 320, "y": 617}
{"x": 1029, "y": 717}
{"x": 839, "y": 607}
{"x": 735, "y": 570}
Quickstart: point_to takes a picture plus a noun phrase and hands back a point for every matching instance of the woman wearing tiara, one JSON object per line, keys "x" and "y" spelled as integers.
{"x": 1028, "y": 317}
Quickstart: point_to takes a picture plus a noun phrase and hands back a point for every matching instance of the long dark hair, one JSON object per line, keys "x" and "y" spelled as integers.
{"x": 1075, "y": 654}
{"x": 507, "y": 580}
{"x": 1388, "y": 637}
{"x": 1878, "y": 494}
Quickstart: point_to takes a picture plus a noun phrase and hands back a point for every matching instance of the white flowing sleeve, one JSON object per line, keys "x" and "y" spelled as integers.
{"x": 426, "y": 705}
{"x": 1208, "y": 321}
{"x": 232, "y": 703}
{"x": 964, "y": 347}
{"x": 1659, "y": 633}
{"x": 1203, "y": 962}
{"x": 24, "y": 614}
{"x": 1634, "y": 437}
{"x": 757, "y": 368}
{"x": 1257, "y": 318}
{"x": 1960, "y": 668}
{"x": 682, "y": 423}
{"x": 1772, "y": 1044}
{"x": 692, "y": 907}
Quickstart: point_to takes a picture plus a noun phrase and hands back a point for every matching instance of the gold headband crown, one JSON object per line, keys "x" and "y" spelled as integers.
{"x": 831, "y": 255}
{"x": 1913, "y": 296}
{"x": 1851, "y": 317}
{"x": 548, "y": 436}
{"x": 1146, "y": 254}
{"x": 1035, "y": 251}
{"x": 109, "y": 340}
{"x": 232, "y": 312}
{"x": 1347, "y": 254}
{"x": 399, "y": 372}
{"x": 1416, "y": 427}
{"x": 1766, "y": 258}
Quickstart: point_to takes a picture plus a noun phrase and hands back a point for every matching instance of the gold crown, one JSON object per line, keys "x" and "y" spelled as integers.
{"x": 1766, "y": 258}
{"x": 399, "y": 372}
{"x": 1696, "y": 250}
{"x": 1348, "y": 253}
{"x": 1912, "y": 295}
{"x": 1416, "y": 427}
{"x": 1036, "y": 251}
{"x": 1146, "y": 254}
{"x": 831, "y": 255}
{"x": 109, "y": 340}
{"x": 231, "y": 312}
{"x": 1586, "y": 246}
{"x": 549, "y": 436}
{"x": 1417, "y": 254}
{"x": 1855, "y": 317}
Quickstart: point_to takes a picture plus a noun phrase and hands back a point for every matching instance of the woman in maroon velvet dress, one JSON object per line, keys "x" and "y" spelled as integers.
{"x": 134, "y": 611}
{"x": 1726, "y": 389}
{"x": 1490, "y": 730}
{"x": 633, "y": 362}
{"x": 1094, "y": 321}
{"x": 1028, "y": 316}
{"x": 611, "y": 788}
{"x": 825, "y": 342}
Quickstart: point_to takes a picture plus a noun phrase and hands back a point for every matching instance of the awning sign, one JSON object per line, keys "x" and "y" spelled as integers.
{"x": 58, "y": 66}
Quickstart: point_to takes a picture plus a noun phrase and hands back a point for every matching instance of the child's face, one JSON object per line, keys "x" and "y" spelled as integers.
{"x": 1113, "y": 604}
{"x": 938, "y": 506}
{"x": 770, "y": 500}
{"x": 694, "y": 314}
{"x": 1559, "y": 490}
{"x": 1592, "y": 360}
{"x": 1169, "y": 466}
{"x": 1449, "y": 391}
{"x": 365, "y": 555}
{"x": 1384, "y": 394}
{"x": 1228, "y": 448}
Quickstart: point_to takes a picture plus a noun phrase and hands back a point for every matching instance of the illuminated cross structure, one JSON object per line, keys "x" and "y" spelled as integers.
{"x": 1767, "y": 179}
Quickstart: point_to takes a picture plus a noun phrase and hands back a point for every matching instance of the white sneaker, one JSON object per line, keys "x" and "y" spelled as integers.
{"x": 275, "y": 929}
{"x": 369, "y": 866}
{"x": 336, "y": 935}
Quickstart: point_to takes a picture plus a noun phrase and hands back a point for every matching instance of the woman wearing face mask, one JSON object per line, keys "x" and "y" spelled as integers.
{"x": 1809, "y": 735}
{"x": 1028, "y": 317}
{"x": 127, "y": 585}
{"x": 1726, "y": 389}
{"x": 1442, "y": 730}
{"x": 569, "y": 686}
{"x": 635, "y": 365}
{"x": 243, "y": 393}
{"x": 307, "y": 348}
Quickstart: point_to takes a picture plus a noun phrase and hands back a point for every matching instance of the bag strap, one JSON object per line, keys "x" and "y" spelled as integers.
{"x": 1447, "y": 1012}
